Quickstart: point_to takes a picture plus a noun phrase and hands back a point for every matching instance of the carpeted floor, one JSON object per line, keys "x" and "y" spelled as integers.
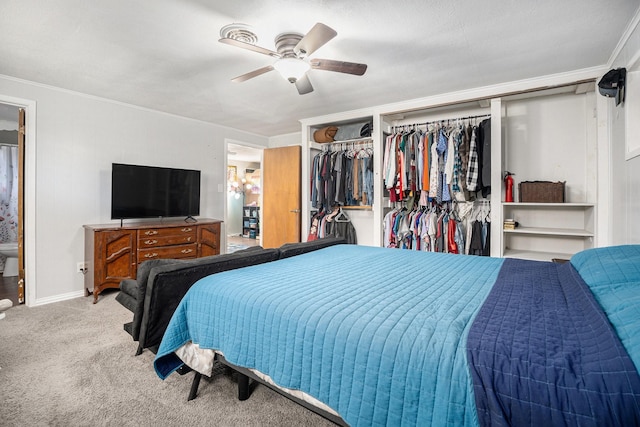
{"x": 232, "y": 247}
{"x": 236, "y": 243}
{"x": 71, "y": 364}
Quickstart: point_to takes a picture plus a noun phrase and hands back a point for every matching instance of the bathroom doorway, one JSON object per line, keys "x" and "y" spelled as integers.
{"x": 12, "y": 120}
{"x": 244, "y": 185}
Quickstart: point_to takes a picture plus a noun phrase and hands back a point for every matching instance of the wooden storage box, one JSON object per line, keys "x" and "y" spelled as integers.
{"x": 541, "y": 192}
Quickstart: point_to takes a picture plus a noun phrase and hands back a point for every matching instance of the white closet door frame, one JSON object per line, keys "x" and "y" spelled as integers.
{"x": 497, "y": 167}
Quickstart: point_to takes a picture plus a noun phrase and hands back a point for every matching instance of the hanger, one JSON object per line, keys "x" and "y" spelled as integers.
{"x": 341, "y": 217}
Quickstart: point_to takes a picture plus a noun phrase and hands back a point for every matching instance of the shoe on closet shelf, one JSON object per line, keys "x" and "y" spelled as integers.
{"x": 5, "y": 304}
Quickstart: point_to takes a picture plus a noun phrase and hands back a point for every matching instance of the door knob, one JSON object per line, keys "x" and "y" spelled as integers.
{"x": 295, "y": 210}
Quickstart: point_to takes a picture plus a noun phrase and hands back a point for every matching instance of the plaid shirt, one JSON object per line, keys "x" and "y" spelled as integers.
{"x": 472, "y": 170}
{"x": 457, "y": 163}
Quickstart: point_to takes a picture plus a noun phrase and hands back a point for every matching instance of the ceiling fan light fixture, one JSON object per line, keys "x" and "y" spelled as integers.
{"x": 291, "y": 68}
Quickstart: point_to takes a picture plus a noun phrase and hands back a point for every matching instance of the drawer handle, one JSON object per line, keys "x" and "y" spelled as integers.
{"x": 186, "y": 229}
{"x": 153, "y": 255}
{"x": 151, "y": 232}
{"x": 150, "y": 242}
{"x": 186, "y": 251}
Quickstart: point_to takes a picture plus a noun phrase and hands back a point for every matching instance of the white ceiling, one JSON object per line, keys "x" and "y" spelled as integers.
{"x": 164, "y": 54}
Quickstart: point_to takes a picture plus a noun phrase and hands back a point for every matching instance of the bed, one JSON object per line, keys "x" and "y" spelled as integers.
{"x": 388, "y": 337}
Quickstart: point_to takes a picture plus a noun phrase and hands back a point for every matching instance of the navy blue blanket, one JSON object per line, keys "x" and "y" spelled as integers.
{"x": 541, "y": 352}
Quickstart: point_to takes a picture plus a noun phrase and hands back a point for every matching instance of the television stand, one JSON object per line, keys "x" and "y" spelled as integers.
{"x": 190, "y": 219}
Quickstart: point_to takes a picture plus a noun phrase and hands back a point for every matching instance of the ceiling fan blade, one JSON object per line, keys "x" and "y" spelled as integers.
{"x": 338, "y": 66}
{"x": 314, "y": 39}
{"x": 249, "y": 46}
{"x": 303, "y": 84}
{"x": 252, "y": 74}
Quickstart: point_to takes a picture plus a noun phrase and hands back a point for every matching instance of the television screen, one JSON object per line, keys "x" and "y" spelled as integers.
{"x": 153, "y": 192}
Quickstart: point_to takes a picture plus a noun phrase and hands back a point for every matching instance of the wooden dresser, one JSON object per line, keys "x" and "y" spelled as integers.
{"x": 113, "y": 252}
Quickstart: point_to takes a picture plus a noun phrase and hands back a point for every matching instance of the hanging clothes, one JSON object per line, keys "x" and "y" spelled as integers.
{"x": 446, "y": 161}
{"x": 485, "y": 138}
{"x": 338, "y": 224}
{"x": 473, "y": 168}
{"x": 448, "y": 228}
{"x": 342, "y": 175}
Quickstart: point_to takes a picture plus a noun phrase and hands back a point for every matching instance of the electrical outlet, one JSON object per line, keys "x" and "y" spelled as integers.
{"x": 81, "y": 267}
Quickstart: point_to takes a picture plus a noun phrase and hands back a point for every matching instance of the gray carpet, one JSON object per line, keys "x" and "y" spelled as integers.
{"x": 233, "y": 247}
{"x": 71, "y": 364}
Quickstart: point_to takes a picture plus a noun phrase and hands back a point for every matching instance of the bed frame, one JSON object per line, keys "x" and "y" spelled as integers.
{"x": 246, "y": 387}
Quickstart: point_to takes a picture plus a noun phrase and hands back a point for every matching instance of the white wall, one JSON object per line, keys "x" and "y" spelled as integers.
{"x": 77, "y": 138}
{"x": 625, "y": 174}
{"x": 546, "y": 140}
{"x": 285, "y": 140}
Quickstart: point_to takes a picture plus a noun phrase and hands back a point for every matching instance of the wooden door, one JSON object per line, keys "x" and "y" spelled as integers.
{"x": 21, "y": 140}
{"x": 281, "y": 200}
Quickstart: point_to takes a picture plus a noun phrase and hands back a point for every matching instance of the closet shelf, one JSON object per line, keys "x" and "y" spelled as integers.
{"x": 535, "y": 256}
{"x": 568, "y": 232}
{"x": 358, "y": 207}
{"x": 548, "y": 205}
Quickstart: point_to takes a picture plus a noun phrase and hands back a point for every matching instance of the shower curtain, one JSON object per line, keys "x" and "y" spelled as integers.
{"x": 8, "y": 196}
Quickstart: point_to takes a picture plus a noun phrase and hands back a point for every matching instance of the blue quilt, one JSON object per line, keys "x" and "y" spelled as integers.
{"x": 613, "y": 275}
{"x": 542, "y": 352}
{"x": 377, "y": 334}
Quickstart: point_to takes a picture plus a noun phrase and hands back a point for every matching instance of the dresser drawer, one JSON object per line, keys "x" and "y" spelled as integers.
{"x": 177, "y": 251}
{"x": 152, "y": 237}
{"x": 167, "y": 231}
{"x": 157, "y": 241}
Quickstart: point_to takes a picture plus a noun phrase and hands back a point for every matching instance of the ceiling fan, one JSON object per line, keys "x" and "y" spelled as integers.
{"x": 291, "y": 52}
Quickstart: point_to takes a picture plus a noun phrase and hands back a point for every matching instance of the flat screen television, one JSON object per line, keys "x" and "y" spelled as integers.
{"x": 153, "y": 192}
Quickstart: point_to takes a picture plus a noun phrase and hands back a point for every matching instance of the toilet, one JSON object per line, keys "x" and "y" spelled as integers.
{"x": 10, "y": 250}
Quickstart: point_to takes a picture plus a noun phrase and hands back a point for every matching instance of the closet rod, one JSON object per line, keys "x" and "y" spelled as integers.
{"x": 361, "y": 139}
{"x": 329, "y": 146}
{"x": 7, "y": 144}
{"x": 443, "y": 120}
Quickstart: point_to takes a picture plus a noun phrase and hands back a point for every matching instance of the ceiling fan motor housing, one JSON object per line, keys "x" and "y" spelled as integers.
{"x": 285, "y": 43}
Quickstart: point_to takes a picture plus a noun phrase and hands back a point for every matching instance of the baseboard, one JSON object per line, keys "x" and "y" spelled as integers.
{"x": 57, "y": 298}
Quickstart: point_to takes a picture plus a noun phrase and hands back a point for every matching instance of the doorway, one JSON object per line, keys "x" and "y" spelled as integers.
{"x": 11, "y": 172}
{"x": 244, "y": 194}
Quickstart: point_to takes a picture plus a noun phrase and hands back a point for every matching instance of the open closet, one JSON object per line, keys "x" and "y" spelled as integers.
{"x": 546, "y": 134}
